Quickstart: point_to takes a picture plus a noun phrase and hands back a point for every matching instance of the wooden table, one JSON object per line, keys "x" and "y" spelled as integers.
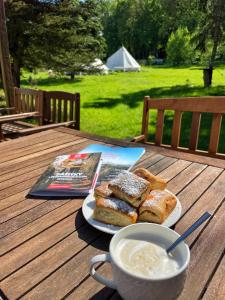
{"x": 45, "y": 246}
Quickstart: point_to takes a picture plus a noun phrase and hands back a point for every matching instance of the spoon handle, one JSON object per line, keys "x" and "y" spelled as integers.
{"x": 192, "y": 228}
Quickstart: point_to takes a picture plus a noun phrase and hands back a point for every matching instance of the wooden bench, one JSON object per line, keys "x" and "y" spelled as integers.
{"x": 196, "y": 105}
{"x": 52, "y": 109}
{"x": 62, "y": 107}
{"x": 28, "y": 101}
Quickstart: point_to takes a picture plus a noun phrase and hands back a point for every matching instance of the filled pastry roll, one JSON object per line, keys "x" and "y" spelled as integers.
{"x": 103, "y": 191}
{"x": 130, "y": 188}
{"x": 156, "y": 182}
{"x": 157, "y": 206}
{"x": 114, "y": 211}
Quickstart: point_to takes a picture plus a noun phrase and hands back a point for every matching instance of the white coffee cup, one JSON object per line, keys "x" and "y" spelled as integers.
{"x": 131, "y": 286}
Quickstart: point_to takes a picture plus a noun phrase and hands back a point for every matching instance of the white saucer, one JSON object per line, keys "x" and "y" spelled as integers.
{"x": 89, "y": 205}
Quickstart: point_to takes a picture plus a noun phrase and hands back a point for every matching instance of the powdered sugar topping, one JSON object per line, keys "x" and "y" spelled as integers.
{"x": 157, "y": 195}
{"x": 117, "y": 204}
{"x": 130, "y": 184}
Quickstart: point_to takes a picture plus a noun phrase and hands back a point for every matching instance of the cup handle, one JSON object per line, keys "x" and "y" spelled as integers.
{"x": 101, "y": 258}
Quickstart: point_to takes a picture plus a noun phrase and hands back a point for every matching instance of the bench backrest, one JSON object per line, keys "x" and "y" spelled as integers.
{"x": 196, "y": 105}
{"x": 61, "y": 107}
{"x": 28, "y": 100}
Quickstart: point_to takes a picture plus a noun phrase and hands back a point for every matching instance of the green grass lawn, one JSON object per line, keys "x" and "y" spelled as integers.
{"x": 111, "y": 105}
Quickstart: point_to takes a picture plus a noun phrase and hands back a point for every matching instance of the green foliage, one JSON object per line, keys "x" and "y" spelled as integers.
{"x": 178, "y": 49}
{"x": 60, "y": 35}
{"x": 112, "y": 105}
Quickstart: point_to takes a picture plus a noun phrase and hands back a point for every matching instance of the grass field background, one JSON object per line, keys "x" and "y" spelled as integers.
{"x": 111, "y": 105}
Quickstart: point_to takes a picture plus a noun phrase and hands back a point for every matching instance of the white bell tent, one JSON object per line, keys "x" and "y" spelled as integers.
{"x": 122, "y": 60}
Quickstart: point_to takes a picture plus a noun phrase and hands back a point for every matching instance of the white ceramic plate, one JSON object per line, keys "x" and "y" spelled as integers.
{"x": 89, "y": 205}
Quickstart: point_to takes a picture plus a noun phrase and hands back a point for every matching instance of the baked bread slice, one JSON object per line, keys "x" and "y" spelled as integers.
{"x": 130, "y": 188}
{"x": 156, "y": 208}
{"x": 103, "y": 191}
{"x": 114, "y": 211}
{"x": 156, "y": 182}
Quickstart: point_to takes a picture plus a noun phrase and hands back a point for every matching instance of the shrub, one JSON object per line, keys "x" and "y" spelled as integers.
{"x": 178, "y": 48}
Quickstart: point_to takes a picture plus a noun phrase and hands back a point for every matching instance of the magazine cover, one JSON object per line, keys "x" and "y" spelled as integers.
{"x": 68, "y": 176}
{"x": 114, "y": 159}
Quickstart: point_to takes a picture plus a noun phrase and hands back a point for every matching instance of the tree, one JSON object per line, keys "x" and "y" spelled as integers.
{"x": 63, "y": 35}
{"x": 211, "y": 28}
{"x": 178, "y": 49}
{"x": 135, "y": 24}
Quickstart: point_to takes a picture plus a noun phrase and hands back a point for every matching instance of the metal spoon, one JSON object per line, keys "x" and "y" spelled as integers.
{"x": 192, "y": 228}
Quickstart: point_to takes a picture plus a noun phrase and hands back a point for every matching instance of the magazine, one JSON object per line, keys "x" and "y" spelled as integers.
{"x": 114, "y": 159}
{"x": 69, "y": 176}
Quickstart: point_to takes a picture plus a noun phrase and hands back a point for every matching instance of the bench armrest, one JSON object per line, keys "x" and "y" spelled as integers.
{"x": 139, "y": 138}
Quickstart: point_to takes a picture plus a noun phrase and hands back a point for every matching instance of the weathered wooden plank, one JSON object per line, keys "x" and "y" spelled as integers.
{"x": 174, "y": 169}
{"x": 62, "y": 255}
{"x": 204, "y": 256}
{"x": 175, "y": 139}
{"x": 32, "y": 248}
{"x": 4, "y": 166}
{"x": 26, "y": 141}
{"x": 36, "y": 148}
{"x": 215, "y": 133}
{"x": 159, "y": 127}
{"x": 197, "y": 187}
{"x": 72, "y": 272}
{"x": 23, "y": 183}
{"x": 91, "y": 289}
{"x": 149, "y": 162}
{"x": 185, "y": 177}
{"x": 161, "y": 165}
{"x": 212, "y": 104}
{"x": 145, "y": 118}
{"x": 205, "y": 203}
{"x": 194, "y": 134}
{"x": 216, "y": 288}
{"x": 194, "y": 157}
{"x": 12, "y": 200}
{"x": 36, "y": 226}
{"x": 19, "y": 208}
{"x": 18, "y": 167}
{"x": 29, "y": 216}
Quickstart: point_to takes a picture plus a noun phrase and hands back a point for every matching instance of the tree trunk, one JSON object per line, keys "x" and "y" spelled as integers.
{"x": 72, "y": 76}
{"x": 207, "y": 76}
{"x": 16, "y": 73}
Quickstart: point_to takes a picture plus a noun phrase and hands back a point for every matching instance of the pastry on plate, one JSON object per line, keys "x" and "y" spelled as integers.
{"x": 156, "y": 208}
{"x": 103, "y": 191}
{"x": 130, "y": 188}
{"x": 156, "y": 182}
{"x": 114, "y": 211}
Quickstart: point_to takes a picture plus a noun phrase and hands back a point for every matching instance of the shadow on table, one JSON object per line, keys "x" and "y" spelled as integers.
{"x": 104, "y": 293}
{"x": 90, "y": 235}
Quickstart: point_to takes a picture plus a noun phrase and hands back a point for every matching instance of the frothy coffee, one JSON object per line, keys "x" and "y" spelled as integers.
{"x": 146, "y": 259}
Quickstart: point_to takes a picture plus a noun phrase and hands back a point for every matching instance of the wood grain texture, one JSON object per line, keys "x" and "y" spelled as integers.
{"x": 204, "y": 257}
{"x": 205, "y": 203}
{"x": 50, "y": 261}
{"x": 33, "y": 228}
{"x": 159, "y": 127}
{"x": 204, "y": 158}
{"x": 30, "y": 249}
{"x": 91, "y": 289}
{"x": 46, "y": 245}
{"x": 175, "y": 139}
{"x": 194, "y": 134}
{"x": 69, "y": 272}
{"x": 215, "y": 133}
{"x": 216, "y": 288}
{"x": 197, "y": 187}
{"x": 212, "y": 104}
{"x": 185, "y": 177}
